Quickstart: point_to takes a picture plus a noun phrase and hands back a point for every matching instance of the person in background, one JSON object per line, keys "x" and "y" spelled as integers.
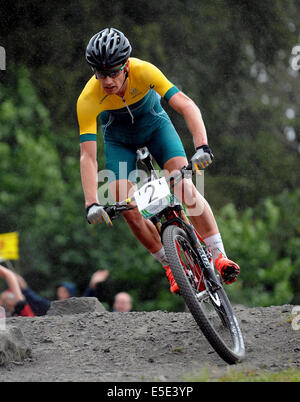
{"x": 41, "y": 305}
{"x": 95, "y": 288}
{"x": 65, "y": 290}
{"x": 12, "y": 298}
{"x": 122, "y": 302}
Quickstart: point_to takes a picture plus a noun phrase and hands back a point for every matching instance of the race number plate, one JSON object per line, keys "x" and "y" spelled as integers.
{"x": 153, "y": 197}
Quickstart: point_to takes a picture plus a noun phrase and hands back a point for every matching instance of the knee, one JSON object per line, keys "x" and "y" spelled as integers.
{"x": 186, "y": 191}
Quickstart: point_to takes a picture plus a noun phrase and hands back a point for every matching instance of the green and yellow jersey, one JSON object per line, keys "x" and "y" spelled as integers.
{"x": 144, "y": 82}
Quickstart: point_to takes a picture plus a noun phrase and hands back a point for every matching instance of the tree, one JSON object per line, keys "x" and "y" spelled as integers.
{"x": 264, "y": 241}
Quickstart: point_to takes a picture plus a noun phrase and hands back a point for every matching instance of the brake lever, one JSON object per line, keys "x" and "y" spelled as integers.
{"x": 114, "y": 211}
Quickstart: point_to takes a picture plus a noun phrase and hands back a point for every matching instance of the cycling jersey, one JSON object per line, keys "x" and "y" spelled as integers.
{"x": 135, "y": 120}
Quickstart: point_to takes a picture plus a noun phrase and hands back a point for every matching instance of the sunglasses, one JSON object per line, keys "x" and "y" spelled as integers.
{"x": 115, "y": 72}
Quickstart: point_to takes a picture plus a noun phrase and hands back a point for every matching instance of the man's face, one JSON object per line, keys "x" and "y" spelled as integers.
{"x": 113, "y": 85}
{"x": 122, "y": 302}
{"x": 62, "y": 293}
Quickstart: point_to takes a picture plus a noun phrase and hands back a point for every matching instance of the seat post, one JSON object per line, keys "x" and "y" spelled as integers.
{"x": 145, "y": 157}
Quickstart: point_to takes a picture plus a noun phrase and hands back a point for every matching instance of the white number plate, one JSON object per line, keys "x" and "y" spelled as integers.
{"x": 150, "y": 197}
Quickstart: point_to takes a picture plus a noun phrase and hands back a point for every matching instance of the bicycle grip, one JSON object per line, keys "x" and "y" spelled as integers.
{"x": 189, "y": 166}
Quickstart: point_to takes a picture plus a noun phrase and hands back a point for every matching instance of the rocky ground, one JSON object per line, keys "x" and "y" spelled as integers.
{"x": 144, "y": 346}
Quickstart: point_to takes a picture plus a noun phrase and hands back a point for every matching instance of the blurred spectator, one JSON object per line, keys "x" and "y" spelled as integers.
{"x": 65, "y": 290}
{"x": 95, "y": 288}
{"x": 40, "y": 305}
{"x": 122, "y": 302}
{"x": 12, "y": 298}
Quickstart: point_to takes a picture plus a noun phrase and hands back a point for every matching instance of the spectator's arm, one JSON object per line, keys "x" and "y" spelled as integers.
{"x": 38, "y": 304}
{"x": 12, "y": 282}
{"x": 98, "y": 276}
{"x": 95, "y": 288}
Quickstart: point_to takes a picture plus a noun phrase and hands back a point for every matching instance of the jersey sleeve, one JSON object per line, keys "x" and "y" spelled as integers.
{"x": 87, "y": 113}
{"x": 158, "y": 81}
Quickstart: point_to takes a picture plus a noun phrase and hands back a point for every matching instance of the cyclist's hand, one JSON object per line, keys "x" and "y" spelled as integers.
{"x": 202, "y": 158}
{"x": 96, "y": 214}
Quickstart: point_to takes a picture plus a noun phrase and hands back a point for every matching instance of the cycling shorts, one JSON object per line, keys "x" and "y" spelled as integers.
{"x": 153, "y": 130}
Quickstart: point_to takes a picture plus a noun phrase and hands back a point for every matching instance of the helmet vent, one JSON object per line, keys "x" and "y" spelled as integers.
{"x": 108, "y": 48}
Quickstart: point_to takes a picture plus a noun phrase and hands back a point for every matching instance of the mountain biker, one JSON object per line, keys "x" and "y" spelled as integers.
{"x": 125, "y": 92}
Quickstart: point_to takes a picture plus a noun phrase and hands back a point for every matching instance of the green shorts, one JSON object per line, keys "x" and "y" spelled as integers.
{"x": 153, "y": 130}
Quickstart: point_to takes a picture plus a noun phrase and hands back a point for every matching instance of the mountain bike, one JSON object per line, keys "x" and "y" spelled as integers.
{"x": 190, "y": 260}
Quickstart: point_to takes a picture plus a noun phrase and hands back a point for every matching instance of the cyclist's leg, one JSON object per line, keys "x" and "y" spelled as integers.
{"x": 200, "y": 212}
{"x": 166, "y": 147}
{"x": 121, "y": 161}
{"x": 143, "y": 229}
{"x": 168, "y": 150}
{"x": 204, "y": 221}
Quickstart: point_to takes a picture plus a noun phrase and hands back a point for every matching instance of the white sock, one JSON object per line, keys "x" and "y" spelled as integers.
{"x": 215, "y": 245}
{"x": 161, "y": 257}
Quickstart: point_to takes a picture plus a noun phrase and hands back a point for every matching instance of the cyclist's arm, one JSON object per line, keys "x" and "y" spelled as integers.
{"x": 178, "y": 101}
{"x": 192, "y": 115}
{"x": 87, "y": 112}
{"x": 88, "y": 170}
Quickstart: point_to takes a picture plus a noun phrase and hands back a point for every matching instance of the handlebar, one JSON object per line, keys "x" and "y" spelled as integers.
{"x": 115, "y": 210}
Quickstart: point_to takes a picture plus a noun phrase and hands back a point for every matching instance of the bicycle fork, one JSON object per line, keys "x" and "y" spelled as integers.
{"x": 207, "y": 269}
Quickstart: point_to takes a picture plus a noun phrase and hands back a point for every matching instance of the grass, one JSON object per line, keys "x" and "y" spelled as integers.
{"x": 233, "y": 375}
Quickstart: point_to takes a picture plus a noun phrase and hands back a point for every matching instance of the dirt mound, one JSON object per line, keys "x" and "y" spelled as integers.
{"x": 145, "y": 346}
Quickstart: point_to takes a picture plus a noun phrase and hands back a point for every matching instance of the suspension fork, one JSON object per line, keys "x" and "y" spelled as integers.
{"x": 203, "y": 258}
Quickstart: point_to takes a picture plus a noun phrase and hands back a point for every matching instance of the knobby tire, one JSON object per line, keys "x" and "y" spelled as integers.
{"x": 231, "y": 351}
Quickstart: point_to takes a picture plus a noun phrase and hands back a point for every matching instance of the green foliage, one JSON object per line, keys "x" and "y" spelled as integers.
{"x": 262, "y": 240}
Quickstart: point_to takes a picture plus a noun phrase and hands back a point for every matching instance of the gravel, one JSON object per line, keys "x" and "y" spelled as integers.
{"x": 160, "y": 346}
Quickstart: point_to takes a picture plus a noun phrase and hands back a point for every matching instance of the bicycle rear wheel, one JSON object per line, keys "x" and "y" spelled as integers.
{"x": 211, "y": 310}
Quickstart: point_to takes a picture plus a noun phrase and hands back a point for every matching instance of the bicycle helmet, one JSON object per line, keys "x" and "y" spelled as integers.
{"x": 108, "y": 48}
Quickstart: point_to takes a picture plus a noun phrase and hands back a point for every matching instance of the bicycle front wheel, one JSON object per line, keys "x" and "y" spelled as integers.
{"x": 211, "y": 310}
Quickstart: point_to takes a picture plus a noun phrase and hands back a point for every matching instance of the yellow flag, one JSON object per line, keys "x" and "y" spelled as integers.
{"x": 9, "y": 246}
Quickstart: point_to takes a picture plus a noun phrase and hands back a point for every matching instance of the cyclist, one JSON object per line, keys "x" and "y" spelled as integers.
{"x": 125, "y": 92}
